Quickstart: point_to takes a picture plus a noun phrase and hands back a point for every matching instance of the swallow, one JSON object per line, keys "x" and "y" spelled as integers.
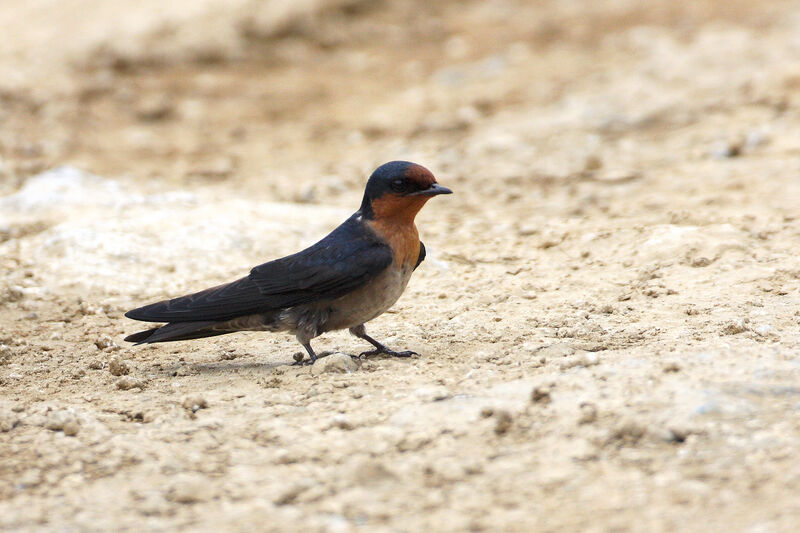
{"x": 351, "y": 276}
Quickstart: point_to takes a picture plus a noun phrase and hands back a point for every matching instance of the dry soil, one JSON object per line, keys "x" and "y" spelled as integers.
{"x": 608, "y": 318}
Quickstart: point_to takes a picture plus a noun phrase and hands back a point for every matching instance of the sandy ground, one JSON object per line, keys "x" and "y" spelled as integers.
{"x": 608, "y": 319}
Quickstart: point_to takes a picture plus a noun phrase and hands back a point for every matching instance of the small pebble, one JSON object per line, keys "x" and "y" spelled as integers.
{"x": 7, "y": 421}
{"x": 503, "y": 421}
{"x": 105, "y": 343}
{"x": 588, "y": 413}
{"x": 118, "y": 366}
{"x": 70, "y": 428}
{"x": 679, "y": 432}
{"x": 130, "y": 382}
{"x": 341, "y": 422}
{"x": 194, "y": 403}
{"x": 726, "y": 149}
{"x": 590, "y": 359}
{"x": 5, "y": 354}
{"x": 62, "y": 421}
{"x": 628, "y": 431}
{"x": 540, "y": 395}
{"x": 735, "y": 327}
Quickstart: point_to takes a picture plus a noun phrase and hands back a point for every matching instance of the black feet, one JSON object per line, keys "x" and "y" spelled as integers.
{"x": 387, "y": 351}
{"x": 360, "y": 332}
{"x": 299, "y": 360}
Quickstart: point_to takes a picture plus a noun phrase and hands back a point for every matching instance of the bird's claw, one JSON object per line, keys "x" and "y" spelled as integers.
{"x": 301, "y": 360}
{"x": 387, "y": 351}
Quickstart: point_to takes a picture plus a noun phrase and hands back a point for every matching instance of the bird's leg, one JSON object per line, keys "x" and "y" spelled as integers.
{"x": 311, "y": 354}
{"x": 304, "y": 334}
{"x": 361, "y": 332}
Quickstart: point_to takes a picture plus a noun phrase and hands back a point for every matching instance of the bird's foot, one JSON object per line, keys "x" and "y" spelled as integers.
{"x": 387, "y": 351}
{"x": 300, "y": 360}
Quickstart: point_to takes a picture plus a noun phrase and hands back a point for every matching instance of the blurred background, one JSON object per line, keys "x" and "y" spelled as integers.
{"x": 608, "y": 314}
{"x": 317, "y": 93}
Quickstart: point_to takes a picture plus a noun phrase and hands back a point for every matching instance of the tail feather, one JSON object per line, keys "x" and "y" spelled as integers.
{"x": 141, "y": 336}
{"x": 176, "y": 331}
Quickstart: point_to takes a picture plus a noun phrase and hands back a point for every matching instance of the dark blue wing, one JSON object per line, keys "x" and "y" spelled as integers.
{"x": 346, "y": 259}
{"x": 224, "y": 302}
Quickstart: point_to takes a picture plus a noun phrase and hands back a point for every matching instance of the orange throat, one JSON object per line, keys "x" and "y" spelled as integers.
{"x": 394, "y": 222}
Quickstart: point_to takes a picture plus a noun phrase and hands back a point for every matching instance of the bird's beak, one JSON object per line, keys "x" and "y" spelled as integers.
{"x": 433, "y": 190}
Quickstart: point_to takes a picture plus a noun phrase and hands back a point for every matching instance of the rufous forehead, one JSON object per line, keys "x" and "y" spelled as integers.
{"x": 420, "y": 175}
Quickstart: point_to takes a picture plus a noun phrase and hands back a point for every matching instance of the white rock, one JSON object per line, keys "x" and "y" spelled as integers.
{"x": 336, "y": 363}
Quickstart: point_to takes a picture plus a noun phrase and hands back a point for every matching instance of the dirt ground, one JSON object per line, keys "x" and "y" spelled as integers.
{"x": 608, "y": 319}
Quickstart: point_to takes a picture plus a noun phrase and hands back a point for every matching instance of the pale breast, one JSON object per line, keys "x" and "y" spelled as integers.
{"x": 371, "y": 300}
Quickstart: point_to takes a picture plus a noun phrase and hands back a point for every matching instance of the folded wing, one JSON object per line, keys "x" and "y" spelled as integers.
{"x": 343, "y": 261}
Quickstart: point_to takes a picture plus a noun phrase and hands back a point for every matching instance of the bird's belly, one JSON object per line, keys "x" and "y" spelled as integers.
{"x": 371, "y": 300}
{"x": 357, "y": 307}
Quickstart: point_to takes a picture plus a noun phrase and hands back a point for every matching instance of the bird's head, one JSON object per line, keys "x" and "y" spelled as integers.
{"x": 398, "y": 190}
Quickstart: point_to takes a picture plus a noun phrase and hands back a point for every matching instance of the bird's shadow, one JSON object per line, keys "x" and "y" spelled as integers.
{"x": 227, "y": 366}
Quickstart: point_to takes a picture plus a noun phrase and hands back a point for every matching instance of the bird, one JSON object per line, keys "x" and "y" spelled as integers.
{"x": 351, "y": 276}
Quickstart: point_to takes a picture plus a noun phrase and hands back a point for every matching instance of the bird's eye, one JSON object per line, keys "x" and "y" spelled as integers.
{"x": 399, "y": 185}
